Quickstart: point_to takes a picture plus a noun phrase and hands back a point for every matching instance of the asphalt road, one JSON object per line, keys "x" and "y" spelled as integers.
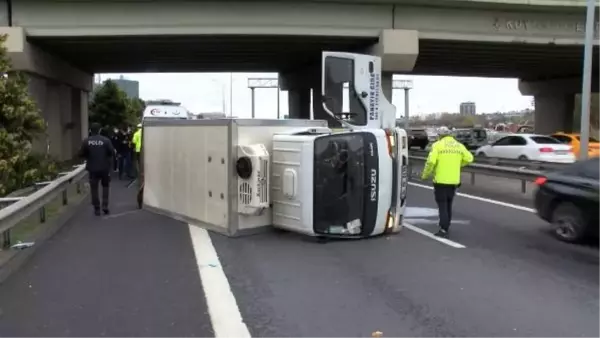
{"x": 131, "y": 274}
{"x": 136, "y": 274}
{"x": 512, "y": 279}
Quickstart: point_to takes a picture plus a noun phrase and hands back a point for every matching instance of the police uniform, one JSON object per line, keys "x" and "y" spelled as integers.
{"x": 445, "y": 160}
{"x": 98, "y": 152}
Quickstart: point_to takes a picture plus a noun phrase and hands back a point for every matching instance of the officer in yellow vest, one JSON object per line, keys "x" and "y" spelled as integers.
{"x": 137, "y": 143}
{"x": 137, "y": 146}
{"x": 445, "y": 160}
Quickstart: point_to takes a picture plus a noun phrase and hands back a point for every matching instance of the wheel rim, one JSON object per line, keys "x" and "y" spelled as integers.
{"x": 566, "y": 227}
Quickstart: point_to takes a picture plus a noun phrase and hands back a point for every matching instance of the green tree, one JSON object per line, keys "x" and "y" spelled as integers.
{"x": 20, "y": 123}
{"x": 111, "y": 107}
{"x": 136, "y": 108}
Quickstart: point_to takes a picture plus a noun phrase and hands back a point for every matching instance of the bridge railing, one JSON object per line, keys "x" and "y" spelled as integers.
{"x": 16, "y": 209}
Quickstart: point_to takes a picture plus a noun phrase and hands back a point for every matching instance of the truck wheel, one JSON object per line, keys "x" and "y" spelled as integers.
{"x": 523, "y": 158}
{"x": 423, "y": 147}
{"x": 481, "y": 154}
{"x": 568, "y": 223}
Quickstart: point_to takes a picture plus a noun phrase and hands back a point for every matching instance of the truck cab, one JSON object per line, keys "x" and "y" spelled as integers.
{"x": 348, "y": 183}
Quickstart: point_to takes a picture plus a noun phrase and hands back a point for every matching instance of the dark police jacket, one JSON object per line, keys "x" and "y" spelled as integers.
{"x": 98, "y": 151}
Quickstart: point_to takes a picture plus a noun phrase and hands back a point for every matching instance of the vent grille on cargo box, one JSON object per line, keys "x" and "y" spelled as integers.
{"x": 245, "y": 193}
{"x": 263, "y": 193}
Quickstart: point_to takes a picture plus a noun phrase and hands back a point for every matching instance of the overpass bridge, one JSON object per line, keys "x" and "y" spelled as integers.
{"x": 62, "y": 43}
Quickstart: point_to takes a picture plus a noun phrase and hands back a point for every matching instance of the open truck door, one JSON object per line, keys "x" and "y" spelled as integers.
{"x": 369, "y": 108}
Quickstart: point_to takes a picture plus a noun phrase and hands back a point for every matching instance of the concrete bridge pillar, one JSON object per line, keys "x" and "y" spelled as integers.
{"x": 297, "y": 84}
{"x": 60, "y": 91}
{"x": 398, "y": 49}
{"x": 554, "y": 113}
{"x": 554, "y": 103}
{"x": 299, "y": 103}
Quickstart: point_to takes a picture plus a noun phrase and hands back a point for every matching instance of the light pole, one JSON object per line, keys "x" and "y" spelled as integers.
{"x": 586, "y": 86}
{"x": 407, "y": 85}
{"x": 263, "y": 82}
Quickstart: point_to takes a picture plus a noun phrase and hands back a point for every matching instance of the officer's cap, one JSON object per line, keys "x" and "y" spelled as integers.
{"x": 443, "y": 131}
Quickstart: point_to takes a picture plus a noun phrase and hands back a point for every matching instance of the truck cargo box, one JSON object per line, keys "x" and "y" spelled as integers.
{"x": 190, "y": 174}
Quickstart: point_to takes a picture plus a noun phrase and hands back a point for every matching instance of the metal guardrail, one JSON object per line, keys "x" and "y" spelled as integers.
{"x": 503, "y": 162}
{"x": 516, "y": 173}
{"x": 15, "y": 209}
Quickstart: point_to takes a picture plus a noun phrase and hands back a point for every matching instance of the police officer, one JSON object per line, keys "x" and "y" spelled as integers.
{"x": 98, "y": 152}
{"x": 445, "y": 160}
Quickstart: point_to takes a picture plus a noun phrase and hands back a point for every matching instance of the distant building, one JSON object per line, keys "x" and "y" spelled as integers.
{"x": 130, "y": 87}
{"x": 468, "y": 108}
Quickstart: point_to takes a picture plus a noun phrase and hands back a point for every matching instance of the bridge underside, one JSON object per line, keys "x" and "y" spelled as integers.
{"x": 279, "y": 53}
{"x": 550, "y": 72}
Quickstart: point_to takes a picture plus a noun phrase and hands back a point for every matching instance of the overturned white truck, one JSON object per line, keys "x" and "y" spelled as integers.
{"x": 236, "y": 176}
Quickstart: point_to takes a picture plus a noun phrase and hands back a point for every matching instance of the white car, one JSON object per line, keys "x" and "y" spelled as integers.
{"x": 528, "y": 147}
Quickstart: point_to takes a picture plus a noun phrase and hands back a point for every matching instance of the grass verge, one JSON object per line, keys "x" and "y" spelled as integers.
{"x": 28, "y": 229}
{"x": 32, "y": 229}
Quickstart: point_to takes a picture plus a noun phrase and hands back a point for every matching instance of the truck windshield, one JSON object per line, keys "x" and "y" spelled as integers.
{"x": 343, "y": 183}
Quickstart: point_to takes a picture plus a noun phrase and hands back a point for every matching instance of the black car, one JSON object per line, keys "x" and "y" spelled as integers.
{"x": 418, "y": 138}
{"x": 568, "y": 199}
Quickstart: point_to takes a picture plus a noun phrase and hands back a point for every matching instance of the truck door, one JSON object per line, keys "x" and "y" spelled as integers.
{"x": 361, "y": 73}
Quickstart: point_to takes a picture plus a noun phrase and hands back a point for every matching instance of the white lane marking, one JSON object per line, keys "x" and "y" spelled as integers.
{"x": 432, "y": 236}
{"x": 224, "y": 313}
{"x": 482, "y": 199}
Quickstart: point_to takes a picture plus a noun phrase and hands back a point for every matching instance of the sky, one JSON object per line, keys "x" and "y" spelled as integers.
{"x": 210, "y": 92}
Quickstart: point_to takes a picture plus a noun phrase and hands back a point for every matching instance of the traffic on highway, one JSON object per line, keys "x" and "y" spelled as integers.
{"x": 559, "y": 147}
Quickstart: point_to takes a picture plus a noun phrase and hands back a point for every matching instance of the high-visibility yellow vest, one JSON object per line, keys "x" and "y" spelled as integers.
{"x": 446, "y": 158}
{"x": 137, "y": 140}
